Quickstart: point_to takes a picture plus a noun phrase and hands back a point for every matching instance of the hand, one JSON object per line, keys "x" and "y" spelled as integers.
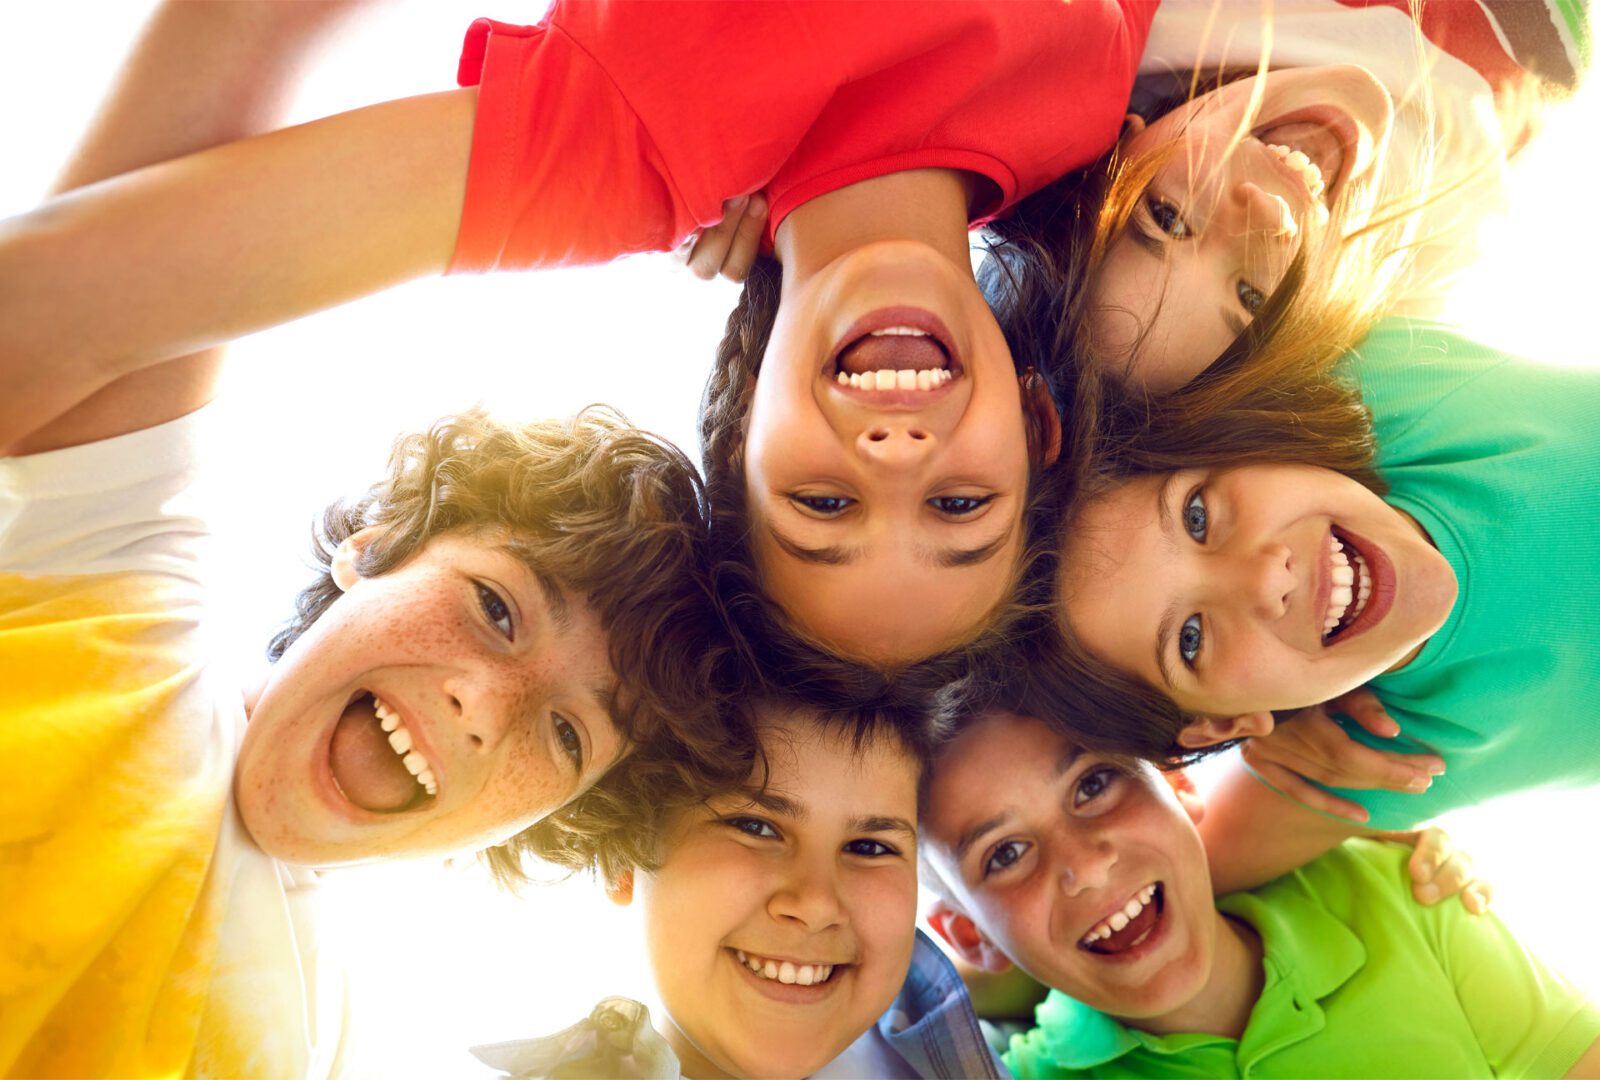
{"x": 729, "y": 247}
{"x": 1311, "y": 746}
{"x": 1440, "y": 870}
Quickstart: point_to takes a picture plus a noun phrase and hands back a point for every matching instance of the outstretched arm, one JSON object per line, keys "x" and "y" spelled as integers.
{"x": 112, "y": 296}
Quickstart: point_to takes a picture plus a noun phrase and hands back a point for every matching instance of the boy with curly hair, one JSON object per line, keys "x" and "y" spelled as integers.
{"x": 498, "y": 621}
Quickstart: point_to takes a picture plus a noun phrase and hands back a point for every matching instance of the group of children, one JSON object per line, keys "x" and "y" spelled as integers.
{"x": 971, "y": 569}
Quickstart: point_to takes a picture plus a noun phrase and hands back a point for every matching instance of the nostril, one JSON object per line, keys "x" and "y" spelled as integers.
{"x": 919, "y": 435}
{"x": 878, "y": 436}
{"x": 477, "y": 742}
{"x": 455, "y": 703}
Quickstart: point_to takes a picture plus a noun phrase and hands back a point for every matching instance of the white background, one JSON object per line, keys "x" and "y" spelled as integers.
{"x": 440, "y": 959}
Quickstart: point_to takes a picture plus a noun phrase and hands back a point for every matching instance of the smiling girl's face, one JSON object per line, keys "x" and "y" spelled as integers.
{"x": 1249, "y": 174}
{"x": 1256, "y": 588}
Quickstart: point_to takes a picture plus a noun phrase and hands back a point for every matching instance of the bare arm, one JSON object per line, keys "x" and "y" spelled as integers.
{"x": 1252, "y": 834}
{"x": 102, "y": 289}
{"x": 1588, "y": 1066}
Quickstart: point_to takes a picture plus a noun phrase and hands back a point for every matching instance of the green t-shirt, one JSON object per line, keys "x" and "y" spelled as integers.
{"x": 1361, "y": 981}
{"x": 1499, "y": 459}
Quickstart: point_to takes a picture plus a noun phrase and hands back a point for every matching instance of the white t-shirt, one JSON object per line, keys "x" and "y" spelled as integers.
{"x": 141, "y": 931}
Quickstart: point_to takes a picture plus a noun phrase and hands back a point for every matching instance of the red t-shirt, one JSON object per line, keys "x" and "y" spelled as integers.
{"x": 619, "y": 127}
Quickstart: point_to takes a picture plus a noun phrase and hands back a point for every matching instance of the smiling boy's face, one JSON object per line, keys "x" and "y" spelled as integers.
{"x": 500, "y": 685}
{"x": 813, "y": 881}
{"x": 1086, "y": 873}
{"x": 1251, "y": 589}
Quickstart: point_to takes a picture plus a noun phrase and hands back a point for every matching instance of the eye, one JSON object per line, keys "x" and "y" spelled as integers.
{"x": 1195, "y": 518}
{"x": 1003, "y": 857}
{"x": 571, "y": 741}
{"x": 1190, "y": 639}
{"x": 1250, "y": 298}
{"x": 959, "y": 505}
{"x": 753, "y": 826}
{"x": 872, "y": 849}
{"x": 496, "y": 610}
{"x": 1167, "y": 217}
{"x": 1093, "y": 784}
{"x": 822, "y": 505}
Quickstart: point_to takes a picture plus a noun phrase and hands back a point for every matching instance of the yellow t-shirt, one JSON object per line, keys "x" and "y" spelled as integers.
{"x": 141, "y": 932}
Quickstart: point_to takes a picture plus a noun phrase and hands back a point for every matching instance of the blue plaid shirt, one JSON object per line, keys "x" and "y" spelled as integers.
{"x": 931, "y": 1026}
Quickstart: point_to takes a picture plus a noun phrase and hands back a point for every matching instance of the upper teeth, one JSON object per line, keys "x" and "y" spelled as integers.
{"x": 1118, "y": 920}
{"x": 1298, "y": 161}
{"x": 890, "y": 379}
{"x": 1350, "y": 582}
{"x": 400, "y": 742}
{"x": 785, "y": 971}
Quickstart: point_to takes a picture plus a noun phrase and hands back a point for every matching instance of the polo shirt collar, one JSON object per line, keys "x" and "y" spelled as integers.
{"x": 1307, "y": 953}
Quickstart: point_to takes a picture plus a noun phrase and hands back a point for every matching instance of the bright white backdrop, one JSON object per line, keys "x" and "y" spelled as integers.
{"x": 440, "y": 959}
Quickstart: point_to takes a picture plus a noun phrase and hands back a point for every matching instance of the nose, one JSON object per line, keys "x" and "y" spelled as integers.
{"x": 1261, "y": 582}
{"x": 807, "y": 895}
{"x": 1257, "y": 211}
{"x": 1083, "y": 865}
{"x": 482, "y": 711}
{"x": 896, "y": 446}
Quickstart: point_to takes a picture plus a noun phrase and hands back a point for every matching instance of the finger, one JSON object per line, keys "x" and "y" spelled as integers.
{"x": 706, "y": 259}
{"x": 1477, "y": 897}
{"x": 1432, "y": 848}
{"x": 1339, "y": 761}
{"x": 1298, "y": 789}
{"x": 746, "y": 243}
{"x": 1452, "y": 876}
{"x": 1364, "y": 708}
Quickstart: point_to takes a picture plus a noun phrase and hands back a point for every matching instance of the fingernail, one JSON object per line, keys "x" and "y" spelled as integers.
{"x": 758, "y": 206}
{"x": 1419, "y": 783}
{"x": 1426, "y": 869}
{"x": 1436, "y": 768}
{"x": 1427, "y": 892}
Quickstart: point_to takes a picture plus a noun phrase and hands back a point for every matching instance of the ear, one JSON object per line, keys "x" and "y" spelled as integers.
{"x": 1132, "y": 124}
{"x": 343, "y": 568}
{"x": 1188, "y": 795}
{"x": 620, "y": 891}
{"x": 1211, "y": 730}
{"x": 1046, "y": 426}
{"x": 966, "y": 939}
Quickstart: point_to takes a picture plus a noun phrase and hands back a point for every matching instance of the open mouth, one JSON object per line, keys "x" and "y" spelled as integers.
{"x": 373, "y": 761}
{"x": 896, "y": 349}
{"x": 1130, "y": 926}
{"x": 1362, "y": 586}
{"x": 1315, "y": 146}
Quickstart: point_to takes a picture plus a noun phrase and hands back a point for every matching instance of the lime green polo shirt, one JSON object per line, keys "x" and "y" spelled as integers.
{"x": 1499, "y": 459}
{"x": 1361, "y": 981}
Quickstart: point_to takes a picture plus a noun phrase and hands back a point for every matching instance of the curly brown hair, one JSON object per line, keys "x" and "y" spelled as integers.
{"x": 591, "y": 504}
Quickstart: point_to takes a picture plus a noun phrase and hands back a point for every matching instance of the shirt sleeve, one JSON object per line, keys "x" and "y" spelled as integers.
{"x": 1529, "y": 1020}
{"x": 562, "y": 172}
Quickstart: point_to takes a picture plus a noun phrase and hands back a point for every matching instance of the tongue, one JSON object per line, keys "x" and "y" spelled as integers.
{"x": 368, "y": 770}
{"x": 1128, "y": 936}
{"x": 891, "y": 352}
{"x": 1315, "y": 141}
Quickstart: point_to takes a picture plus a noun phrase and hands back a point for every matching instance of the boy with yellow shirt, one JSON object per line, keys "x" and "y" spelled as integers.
{"x": 469, "y": 660}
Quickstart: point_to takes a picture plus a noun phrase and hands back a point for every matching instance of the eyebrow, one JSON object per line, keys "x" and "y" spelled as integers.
{"x": 878, "y": 824}
{"x": 795, "y": 810}
{"x": 947, "y": 558}
{"x": 1170, "y": 615}
{"x": 977, "y": 832}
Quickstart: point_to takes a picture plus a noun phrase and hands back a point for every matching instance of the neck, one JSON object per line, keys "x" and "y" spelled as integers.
{"x": 692, "y": 1064}
{"x": 1417, "y": 525}
{"x": 925, "y": 205}
{"x": 1223, "y": 1005}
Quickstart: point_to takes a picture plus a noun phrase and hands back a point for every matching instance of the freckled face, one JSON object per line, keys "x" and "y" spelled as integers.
{"x": 817, "y": 871}
{"x": 1040, "y": 841}
{"x": 501, "y": 685}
